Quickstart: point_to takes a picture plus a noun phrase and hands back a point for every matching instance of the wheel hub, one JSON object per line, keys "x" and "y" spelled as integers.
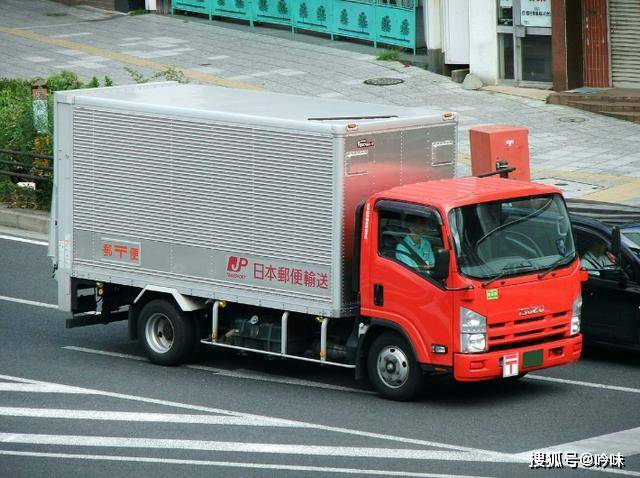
{"x": 159, "y": 333}
{"x": 393, "y": 367}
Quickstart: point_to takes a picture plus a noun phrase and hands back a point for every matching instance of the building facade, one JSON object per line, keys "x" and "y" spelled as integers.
{"x": 562, "y": 44}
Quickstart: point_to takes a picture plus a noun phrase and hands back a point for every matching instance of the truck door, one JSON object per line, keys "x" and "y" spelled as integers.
{"x": 609, "y": 310}
{"x": 400, "y": 288}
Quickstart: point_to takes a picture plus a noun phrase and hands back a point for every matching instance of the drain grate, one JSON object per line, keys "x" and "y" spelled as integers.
{"x": 383, "y": 81}
{"x": 572, "y": 119}
{"x": 571, "y": 188}
{"x": 56, "y": 14}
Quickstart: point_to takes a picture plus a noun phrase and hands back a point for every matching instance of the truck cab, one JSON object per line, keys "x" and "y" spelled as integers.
{"x": 487, "y": 285}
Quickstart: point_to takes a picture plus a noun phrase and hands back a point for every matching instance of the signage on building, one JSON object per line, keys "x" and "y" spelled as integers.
{"x": 535, "y": 13}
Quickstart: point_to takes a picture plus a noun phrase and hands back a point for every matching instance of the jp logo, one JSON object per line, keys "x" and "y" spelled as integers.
{"x": 236, "y": 263}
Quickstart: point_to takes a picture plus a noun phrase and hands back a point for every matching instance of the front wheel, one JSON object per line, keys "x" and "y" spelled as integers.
{"x": 393, "y": 371}
{"x": 168, "y": 335}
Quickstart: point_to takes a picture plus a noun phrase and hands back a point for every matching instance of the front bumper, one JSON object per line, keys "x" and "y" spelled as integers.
{"x": 475, "y": 367}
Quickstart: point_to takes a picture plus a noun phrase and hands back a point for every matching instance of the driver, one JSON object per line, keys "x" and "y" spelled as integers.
{"x": 596, "y": 257}
{"x": 416, "y": 245}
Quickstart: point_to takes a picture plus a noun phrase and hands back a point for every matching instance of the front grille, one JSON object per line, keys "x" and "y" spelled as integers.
{"x": 528, "y": 331}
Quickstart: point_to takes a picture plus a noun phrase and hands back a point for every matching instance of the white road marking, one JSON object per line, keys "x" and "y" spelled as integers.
{"x": 217, "y": 57}
{"x": 230, "y": 373}
{"x": 38, "y": 388}
{"x": 24, "y": 239}
{"x": 280, "y": 71}
{"x": 626, "y": 442}
{"x": 347, "y": 431}
{"x": 582, "y": 384}
{"x": 37, "y": 59}
{"x": 71, "y": 35}
{"x": 28, "y": 302}
{"x": 259, "y": 466}
{"x": 247, "y": 447}
{"x": 67, "y": 414}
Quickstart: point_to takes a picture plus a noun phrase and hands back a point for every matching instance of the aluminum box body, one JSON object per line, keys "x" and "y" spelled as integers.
{"x": 229, "y": 194}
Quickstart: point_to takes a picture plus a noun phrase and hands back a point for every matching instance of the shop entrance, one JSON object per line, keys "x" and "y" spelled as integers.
{"x": 524, "y": 42}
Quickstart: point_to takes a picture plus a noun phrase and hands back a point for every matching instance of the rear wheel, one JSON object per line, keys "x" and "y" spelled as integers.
{"x": 168, "y": 336}
{"x": 393, "y": 371}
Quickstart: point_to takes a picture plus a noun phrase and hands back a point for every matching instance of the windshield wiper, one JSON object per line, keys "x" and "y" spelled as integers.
{"x": 560, "y": 262}
{"x": 506, "y": 270}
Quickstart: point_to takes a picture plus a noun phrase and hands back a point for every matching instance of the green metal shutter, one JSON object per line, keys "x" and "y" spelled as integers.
{"x": 625, "y": 43}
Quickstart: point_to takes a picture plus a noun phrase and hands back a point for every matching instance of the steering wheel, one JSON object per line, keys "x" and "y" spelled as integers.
{"x": 520, "y": 239}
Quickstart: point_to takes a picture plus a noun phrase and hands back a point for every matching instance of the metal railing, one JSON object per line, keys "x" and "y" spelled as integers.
{"x": 26, "y": 166}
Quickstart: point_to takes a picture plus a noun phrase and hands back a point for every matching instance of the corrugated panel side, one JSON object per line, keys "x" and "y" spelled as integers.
{"x": 625, "y": 42}
{"x": 204, "y": 184}
{"x": 191, "y": 194}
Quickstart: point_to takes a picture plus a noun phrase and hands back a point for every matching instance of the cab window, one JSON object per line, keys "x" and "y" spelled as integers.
{"x": 409, "y": 237}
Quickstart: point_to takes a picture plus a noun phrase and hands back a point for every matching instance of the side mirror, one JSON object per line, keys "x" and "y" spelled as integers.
{"x": 440, "y": 269}
{"x": 616, "y": 244}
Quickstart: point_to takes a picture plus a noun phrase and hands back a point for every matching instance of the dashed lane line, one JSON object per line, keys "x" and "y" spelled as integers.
{"x": 241, "y": 374}
{"x": 127, "y": 59}
{"x": 580, "y": 383}
{"x": 224, "y": 464}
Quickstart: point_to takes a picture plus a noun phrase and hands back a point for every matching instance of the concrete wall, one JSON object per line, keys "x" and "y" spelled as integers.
{"x": 483, "y": 32}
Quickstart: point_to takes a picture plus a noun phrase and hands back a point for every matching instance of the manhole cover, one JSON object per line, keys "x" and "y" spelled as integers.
{"x": 572, "y": 119}
{"x": 56, "y": 14}
{"x": 383, "y": 81}
{"x": 569, "y": 187}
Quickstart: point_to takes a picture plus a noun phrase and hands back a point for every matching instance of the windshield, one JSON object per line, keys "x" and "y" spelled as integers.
{"x": 631, "y": 237}
{"x": 512, "y": 237}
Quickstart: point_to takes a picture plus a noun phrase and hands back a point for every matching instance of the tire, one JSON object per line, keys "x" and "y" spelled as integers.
{"x": 393, "y": 371}
{"x": 168, "y": 335}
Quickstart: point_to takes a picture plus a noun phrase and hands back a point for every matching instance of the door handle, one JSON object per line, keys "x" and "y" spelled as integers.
{"x": 378, "y": 295}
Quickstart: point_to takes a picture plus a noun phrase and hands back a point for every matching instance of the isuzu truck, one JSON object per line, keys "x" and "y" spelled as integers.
{"x": 306, "y": 228}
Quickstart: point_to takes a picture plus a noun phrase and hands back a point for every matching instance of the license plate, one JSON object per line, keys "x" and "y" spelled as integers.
{"x": 510, "y": 365}
{"x": 532, "y": 359}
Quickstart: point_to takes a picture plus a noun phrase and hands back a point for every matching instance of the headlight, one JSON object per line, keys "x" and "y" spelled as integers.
{"x": 576, "y": 309}
{"x": 473, "y": 332}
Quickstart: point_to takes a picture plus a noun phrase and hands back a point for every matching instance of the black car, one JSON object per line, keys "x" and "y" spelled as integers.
{"x": 608, "y": 243}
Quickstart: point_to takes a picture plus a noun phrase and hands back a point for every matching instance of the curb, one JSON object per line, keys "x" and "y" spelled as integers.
{"x": 24, "y": 219}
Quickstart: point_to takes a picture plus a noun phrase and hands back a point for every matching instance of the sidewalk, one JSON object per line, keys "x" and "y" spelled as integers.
{"x": 588, "y": 155}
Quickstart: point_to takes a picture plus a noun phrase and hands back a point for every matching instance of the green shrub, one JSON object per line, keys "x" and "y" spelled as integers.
{"x": 388, "y": 55}
{"x": 15, "y": 196}
{"x": 17, "y": 133}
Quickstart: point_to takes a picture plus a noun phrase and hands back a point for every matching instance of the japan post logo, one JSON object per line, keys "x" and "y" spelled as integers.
{"x": 236, "y": 263}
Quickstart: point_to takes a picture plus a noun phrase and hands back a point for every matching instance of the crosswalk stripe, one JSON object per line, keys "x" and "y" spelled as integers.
{"x": 142, "y": 417}
{"x": 244, "y": 447}
{"x": 225, "y": 464}
{"x": 347, "y": 431}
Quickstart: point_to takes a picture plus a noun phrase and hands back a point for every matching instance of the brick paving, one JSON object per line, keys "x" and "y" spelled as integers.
{"x": 589, "y": 155}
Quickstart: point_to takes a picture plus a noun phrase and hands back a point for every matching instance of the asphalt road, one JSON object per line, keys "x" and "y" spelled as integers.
{"x": 84, "y": 402}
